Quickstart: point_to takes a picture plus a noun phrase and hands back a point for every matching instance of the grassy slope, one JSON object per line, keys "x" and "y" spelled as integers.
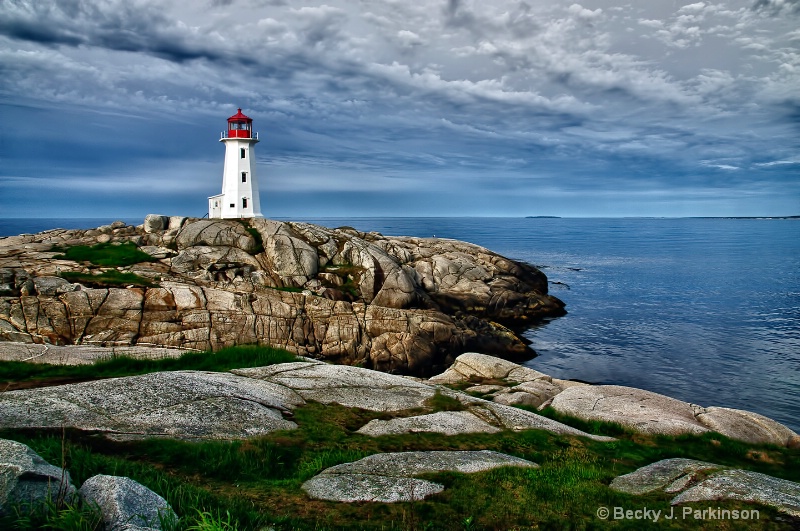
{"x": 257, "y": 482}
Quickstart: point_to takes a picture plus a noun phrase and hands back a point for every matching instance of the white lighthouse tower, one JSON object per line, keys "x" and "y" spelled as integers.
{"x": 239, "y": 197}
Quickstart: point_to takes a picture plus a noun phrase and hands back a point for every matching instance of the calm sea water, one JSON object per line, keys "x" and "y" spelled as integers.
{"x": 704, "y": 310}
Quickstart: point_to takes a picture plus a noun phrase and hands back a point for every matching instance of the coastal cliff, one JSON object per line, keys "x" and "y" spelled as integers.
{"x": 395, "y": 304}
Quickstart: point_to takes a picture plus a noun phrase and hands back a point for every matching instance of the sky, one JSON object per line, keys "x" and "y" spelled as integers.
{"x": 113, "y": 108}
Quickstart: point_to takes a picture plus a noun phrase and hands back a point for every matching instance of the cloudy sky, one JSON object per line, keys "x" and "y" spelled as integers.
{"x": 403, "y": 108}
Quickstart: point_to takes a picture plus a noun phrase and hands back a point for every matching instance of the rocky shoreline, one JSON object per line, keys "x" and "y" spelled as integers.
{"x": 255, "y": 402}
{"x": 358, "y": 307}
{"x": 395, "y": 304}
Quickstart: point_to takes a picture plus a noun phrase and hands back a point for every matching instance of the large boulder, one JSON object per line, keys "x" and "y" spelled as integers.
{"x": 668, "y": 475}
{"x": 644, "y": 411}
{"x": 698, "y": 481}
{"x": 510, "y": 384}
{"x": 127, "y": 505}
{"x": 474, "y": 366}
{"x": 649, "y": 412}
{"x": 746, "y": 426}
{"x": 390, "y": 477}
{"x": 344, "y": 385}
{"x": 746, "y": 486}
{"x": 181, "y": 405}
{"x": 287, "y": 256}
{"x": 155, "y": 223}
{"x": 215, "y": 233}
{"x": 28, "y": 480}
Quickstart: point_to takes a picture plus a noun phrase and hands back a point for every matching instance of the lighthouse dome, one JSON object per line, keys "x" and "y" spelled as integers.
{"x": 240, "y": 126}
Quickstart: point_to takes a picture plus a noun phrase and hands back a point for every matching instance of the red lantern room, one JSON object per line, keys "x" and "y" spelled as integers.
{"x": 240, "y": 126}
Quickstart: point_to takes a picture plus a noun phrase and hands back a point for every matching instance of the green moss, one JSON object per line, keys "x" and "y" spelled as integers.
{"x": 107, "y": 254}
{"x": 441, "y": 402}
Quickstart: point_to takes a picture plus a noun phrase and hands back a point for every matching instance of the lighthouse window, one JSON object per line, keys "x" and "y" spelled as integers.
{"x": 244, "y": 176}
{"x": 242, "y": 151}
{"x": 244, "y": 202}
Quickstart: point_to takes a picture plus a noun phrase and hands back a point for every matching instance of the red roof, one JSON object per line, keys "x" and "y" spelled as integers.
{"x": 239, "y": 117}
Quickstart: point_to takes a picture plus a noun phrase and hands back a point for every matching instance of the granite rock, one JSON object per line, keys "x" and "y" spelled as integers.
{"x": 649, "y": 412}
{"x": 181, "y": 405}
{"x": 155, "y": 223}
{"x": 406, "y": 305}
{"x": 698, "y": 481}
{"x": 445, "y": 422}
{"x": 27, "y": 479}
{"x": 510, "y": 384}
{"x": 390, "y": 477}
{"x": 126, "y": 505}
{"x": 644, "y": 411}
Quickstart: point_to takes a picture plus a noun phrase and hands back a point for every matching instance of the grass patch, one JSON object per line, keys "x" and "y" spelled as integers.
{"x": 440, "y": 402}
{"x": 253, "y": 484}
{"x": 53, "y": 515}
{"x": 256, "y": 483}
{"x": 597, "y": 427}
{"x": 107, "y": 254}
{"x": 110, "y": 278}
{"x": 225, "y": 359}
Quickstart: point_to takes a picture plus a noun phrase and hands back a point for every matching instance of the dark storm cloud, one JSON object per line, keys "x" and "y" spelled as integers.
{"x": 506, "y": 100}
{"x": 776, "y": 7}
{"x": 120, "y": 26}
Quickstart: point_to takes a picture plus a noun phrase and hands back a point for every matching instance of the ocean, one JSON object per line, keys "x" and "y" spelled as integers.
{"x": 703, "y": 310}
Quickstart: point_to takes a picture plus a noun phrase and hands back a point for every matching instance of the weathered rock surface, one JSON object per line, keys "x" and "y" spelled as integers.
{"x": 700, "y": 481}
{"x": 641, "y": 410}
{"x": 649, "y": 412}
{"x": 181, "y": 405}
{"x": 398, "y": 304}
{"x": 252, "y": 402}
{"x": 669, "y": 475}
{"x": 155, "y": 223}
{"x": 743, "y": 485}
{"x": 446, "y": 422}
{"x": 474, "y": 366}
{"x": 79, "y": 354}
{"x": 344, "y": 385}
{"x": 126, "y": 505}
{"x": 374, "y": 391}
{"x": 746, "y": 426}
{"x": 27, "y": 479}
{"x": 391, "y": 478}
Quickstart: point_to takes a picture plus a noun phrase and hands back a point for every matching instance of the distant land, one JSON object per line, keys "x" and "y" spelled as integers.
{"x": 542, "y": 217}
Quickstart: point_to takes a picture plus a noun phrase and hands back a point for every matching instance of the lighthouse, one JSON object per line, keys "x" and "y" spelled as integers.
{"x": 239, "y": 197}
